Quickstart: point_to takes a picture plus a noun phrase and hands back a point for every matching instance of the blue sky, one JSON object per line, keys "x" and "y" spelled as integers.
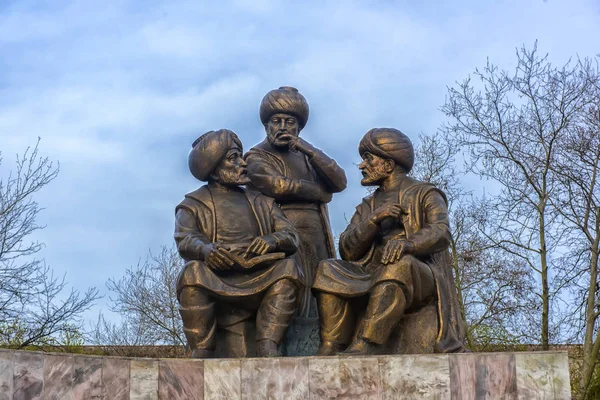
{"x": 118, "y": 90}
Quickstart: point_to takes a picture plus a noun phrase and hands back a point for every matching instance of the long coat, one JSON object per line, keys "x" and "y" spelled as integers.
{"x": 430, "y": 234}
{"x": 189, "y": 236}
{"x": 272, "y": 166}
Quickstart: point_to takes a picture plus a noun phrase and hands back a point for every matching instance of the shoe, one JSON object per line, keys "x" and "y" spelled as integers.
{"x": 360, "y": 347}
{"x": 328, "y": 348}
{"x": 267, "y": 348}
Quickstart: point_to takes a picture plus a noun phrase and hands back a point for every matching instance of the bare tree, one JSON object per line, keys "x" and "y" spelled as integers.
{"x": 493, "y": 287}
{"x": 33, "y": 307}
{"x": 510, "y": 124}
{"x": 146, "y": 300}
{"x": 578, "y": 201}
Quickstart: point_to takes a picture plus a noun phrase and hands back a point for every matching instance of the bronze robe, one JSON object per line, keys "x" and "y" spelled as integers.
{"x": 229, "y": 284}
{"x": 271, "y": 175}
{"x": 427, "y": 226}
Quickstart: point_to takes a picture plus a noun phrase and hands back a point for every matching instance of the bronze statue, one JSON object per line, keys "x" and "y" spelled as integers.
{"x": 300, "y": 177}
{"x": 237, "y": 245}
{"x": 394, "y": 258}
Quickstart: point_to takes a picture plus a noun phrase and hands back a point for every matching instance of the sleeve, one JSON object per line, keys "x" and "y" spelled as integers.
{"x": 435, "y": 235}
{"x": 268, "y": 180}
{"x": 188, "y": 237}
{"x": 328, "y": 170}
{"x": 284, "y": 232}
{"x": 358, "y": 237}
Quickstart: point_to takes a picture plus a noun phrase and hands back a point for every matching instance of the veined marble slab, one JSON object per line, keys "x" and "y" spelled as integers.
{"x": 222, "y": 379}
{"x": 6, "y": 375}
{"x": 415, "y": 377}
{"x": 483, "y": 376}
{"x": 143, "y": 379}
{"x": 115, "y": 378}
{"x": 58, "y": 377}
{"x": 344, "y": 378}
{"x": 275, "y": 378}
{"x": 87, "y": 378}
{"x": 542, "y": 376}
{"x": 28, "y": 375}
{"x": 523, "y": 376}
{"x": 181, "y": 379}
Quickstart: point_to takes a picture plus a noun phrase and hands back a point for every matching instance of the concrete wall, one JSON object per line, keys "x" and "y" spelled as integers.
{"x": 34, "y": 375}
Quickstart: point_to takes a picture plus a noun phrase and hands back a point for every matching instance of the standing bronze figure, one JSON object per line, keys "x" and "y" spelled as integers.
{"x": 394, "y": 258}
{"x": 236, "y": 244}
{"x": 300, "y": 177}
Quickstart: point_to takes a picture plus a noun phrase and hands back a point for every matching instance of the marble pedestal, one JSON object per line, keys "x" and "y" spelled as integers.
{"x": 539, "y": 375}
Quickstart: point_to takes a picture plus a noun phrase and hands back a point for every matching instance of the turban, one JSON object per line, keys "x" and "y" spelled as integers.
{"x": 209, "y": 150}
{"x": 286, "y": 100}
{"x": 389, "y": 143}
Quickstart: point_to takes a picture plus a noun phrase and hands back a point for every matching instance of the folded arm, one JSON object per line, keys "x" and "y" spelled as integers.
{"x": 328, "y": 170}
{"x": 266, "y": 178}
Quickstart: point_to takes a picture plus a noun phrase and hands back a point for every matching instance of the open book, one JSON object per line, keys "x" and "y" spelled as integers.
{"x": 244, "y": 264}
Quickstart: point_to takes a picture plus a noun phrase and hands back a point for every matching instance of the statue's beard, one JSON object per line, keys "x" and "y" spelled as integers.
{"x": 233, "y": 178}
{"x": 373, "y": 176}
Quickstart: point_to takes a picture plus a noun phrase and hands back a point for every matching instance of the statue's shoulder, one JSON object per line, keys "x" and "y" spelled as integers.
{"x": 417, "y": 188}
{"x": 263, "y": 152}
{"x": 256, "y": 196}
{"x": 415, "y": 185}
{"x": 365, "y": 203}
{"x": 262, "y": 149}
{"x": 196, "y": 197}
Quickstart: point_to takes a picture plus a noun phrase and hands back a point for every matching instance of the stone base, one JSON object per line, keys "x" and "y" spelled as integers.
{"x": 534, "y": 375}
{"x": 302, "y": 338}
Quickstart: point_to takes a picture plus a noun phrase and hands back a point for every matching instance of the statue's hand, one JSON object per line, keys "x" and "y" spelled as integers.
{"x": 261, "y": 245}
{"x": 395, "y": 249}
{"x": 296, "y": 143}
{"x": 217, "y": 257}
{"x": 388, "y": 210}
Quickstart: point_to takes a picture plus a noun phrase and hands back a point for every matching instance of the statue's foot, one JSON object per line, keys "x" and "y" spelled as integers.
{"x": 360, "y": 347}
{"x": 202, "y": 353}
{"x": 267, "y": 348}
{"x": 328, "y": 348}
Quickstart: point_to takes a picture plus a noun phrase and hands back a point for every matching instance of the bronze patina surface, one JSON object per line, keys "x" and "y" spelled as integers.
{"x": 300, "y": 177}
{"x": 395, "y": 261}
{"x": 230, "y": 300}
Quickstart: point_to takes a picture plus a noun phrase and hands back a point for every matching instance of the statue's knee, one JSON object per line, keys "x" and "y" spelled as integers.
{"x": 193, "y": 296}
{"x": 406, "y": 261}
{"x": 391, "y": 291}
{"x": 285, "y": 287}
{"x": 388, "y": 287}
{"x": 324, "y": 264}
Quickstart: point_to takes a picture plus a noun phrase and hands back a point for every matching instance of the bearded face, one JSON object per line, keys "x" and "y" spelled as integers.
{"x": 232, "y": 170}
{"x": 279, "y": 128}
{"x": 374, "y": 169}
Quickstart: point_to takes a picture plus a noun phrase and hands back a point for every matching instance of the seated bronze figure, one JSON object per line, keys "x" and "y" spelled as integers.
{"x": 394, "y": 259}
{"x": 238, "y": 278}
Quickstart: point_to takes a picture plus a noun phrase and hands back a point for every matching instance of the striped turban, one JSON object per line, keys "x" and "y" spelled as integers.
{"x": 286, "y": 100}
{"x": 209, "y": 150}
{"x": 389, "y": 143}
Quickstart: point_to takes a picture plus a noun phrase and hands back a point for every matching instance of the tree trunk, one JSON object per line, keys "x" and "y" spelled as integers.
{"x": 591, "y": 345}
{"x": 544, "y": 269}
{"x": 461, "y": 302}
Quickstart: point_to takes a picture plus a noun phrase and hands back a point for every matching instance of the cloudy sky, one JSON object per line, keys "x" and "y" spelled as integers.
{"x": 118, "y": 90}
